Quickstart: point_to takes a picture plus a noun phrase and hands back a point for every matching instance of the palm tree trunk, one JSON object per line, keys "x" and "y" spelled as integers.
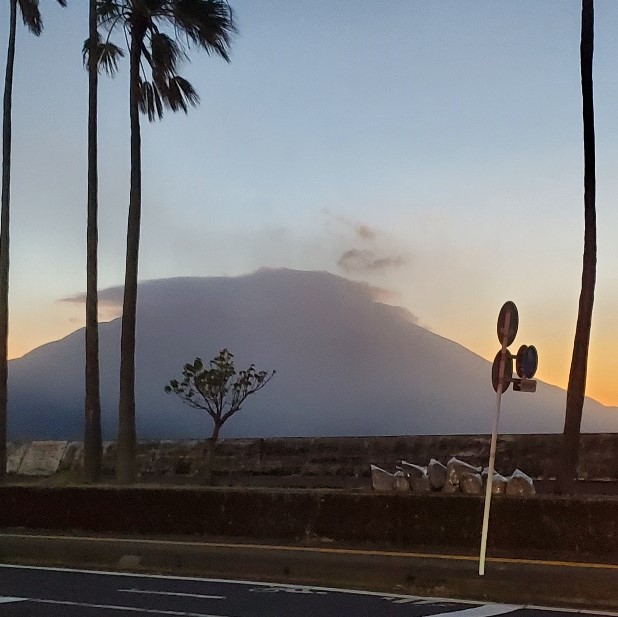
{"x": 577, "y": 377}
{"x": 4, "y": 234}
{"x": 92, "y": 432}
{"x": 126, "y": 466}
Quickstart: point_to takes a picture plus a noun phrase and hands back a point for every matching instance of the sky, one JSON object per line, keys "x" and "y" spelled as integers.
{"x": 431, "y": 149}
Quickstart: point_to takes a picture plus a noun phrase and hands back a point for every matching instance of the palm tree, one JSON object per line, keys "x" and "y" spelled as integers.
{"x": 97, "y": 55}
{"x": 206, "y": 24}
{"x": 31, "y": 16}
{"x": 576, "y": 388}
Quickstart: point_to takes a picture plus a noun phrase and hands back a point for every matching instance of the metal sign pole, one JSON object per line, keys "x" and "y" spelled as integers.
{"x": 492, "y": 449}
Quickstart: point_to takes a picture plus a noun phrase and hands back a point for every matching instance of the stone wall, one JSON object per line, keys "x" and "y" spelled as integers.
{"x": 335, "y": 458}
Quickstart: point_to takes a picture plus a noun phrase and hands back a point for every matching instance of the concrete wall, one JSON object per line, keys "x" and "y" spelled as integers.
{"x": 335, "y": 458}
{"x": 561, "y": 525}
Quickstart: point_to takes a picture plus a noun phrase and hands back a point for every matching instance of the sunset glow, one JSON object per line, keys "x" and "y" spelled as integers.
{"x": 431, "y": 150}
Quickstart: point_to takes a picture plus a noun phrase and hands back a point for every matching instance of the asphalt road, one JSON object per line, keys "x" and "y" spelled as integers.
{"x": 47, "y": 592}
{"x": 508, "y": 580}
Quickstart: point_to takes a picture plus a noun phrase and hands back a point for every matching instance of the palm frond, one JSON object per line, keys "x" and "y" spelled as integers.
{"x": 208, "y": 24}
{"x": 165, "y": 53}
{"x": 108, "y": 11}
{"x": 171, "y": 91}
{"x": 31, "y": 15}
{"x": 107, "y": 55}
{"x": 180, "y": 94}
{"x": 163, "y": 30}
{"x": 150, "y": 103}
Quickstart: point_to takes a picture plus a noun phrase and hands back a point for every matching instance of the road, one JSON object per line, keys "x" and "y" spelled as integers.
{"x": 508, "y": 580}
{"x": 54, "y": 592}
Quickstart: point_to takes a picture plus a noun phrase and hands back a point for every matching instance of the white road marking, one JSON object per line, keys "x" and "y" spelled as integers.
{"x": 440, "y": 603}
{"x": 393, "y": 596}
{"x": 226, "y": 581}
{"x": 286, "y": 589}
{"x": 134, "y": 609}
{"x": 583, "y": 611}
{"x": 173, "y": 593}
{"x": 487, "y": 610}
{"x": 417, "y": 602}
{"x": 8, "y": 599}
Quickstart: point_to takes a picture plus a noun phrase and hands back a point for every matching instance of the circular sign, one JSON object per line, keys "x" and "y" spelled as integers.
{"x": 527, "y": 361}
{"x": 508, "y": 370}
{"x": 508, "y": 308}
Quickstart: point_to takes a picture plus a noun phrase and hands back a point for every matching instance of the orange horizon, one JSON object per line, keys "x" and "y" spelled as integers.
{"x": 600, "y": 384}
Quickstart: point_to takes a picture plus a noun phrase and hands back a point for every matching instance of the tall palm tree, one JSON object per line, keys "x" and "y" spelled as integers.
{"x": 576, "y": 388}
{"x": 98, "y": 55}
{"x": 31, "y": 16}
{"x": 159, "y": 33}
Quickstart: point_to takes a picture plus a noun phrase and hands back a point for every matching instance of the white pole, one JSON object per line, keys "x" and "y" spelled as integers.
{"x": 492, "y": 448}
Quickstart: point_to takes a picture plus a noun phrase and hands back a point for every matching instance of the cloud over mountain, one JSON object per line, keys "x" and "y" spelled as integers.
{"x": 346, "y": 365}
{"x": 360, "y": 260}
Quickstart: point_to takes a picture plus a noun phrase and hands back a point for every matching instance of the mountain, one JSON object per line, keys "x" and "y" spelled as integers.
{"x": 346, "y": 365}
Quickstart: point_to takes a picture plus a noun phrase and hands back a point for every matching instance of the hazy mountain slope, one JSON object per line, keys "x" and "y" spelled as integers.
{"x": 345, "y": 365}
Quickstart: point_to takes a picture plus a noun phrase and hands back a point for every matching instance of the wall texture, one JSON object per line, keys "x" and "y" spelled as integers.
{"x": 543, "y": 523}
{"x": 340, "y": 460}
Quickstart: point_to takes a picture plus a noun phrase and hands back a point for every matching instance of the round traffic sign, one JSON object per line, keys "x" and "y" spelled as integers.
{"x": 508, "y": 371}
{"x": 507, "y": 309}
{"x": 527, "y": 361}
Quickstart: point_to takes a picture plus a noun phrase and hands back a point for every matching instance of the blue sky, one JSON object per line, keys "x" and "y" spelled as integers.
{"x": 450, "y": 130}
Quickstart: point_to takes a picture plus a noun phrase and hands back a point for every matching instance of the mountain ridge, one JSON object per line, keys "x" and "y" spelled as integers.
{"x": 347, "y": 364}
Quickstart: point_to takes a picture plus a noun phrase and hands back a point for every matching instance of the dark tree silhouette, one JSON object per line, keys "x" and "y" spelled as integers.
{"x": 159, "y": 34}
{"x": 31, "y": 17}
{"x": 576, "y": 388}
{"x": 219, "y": 390}
{"x": 98, "y": 55}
